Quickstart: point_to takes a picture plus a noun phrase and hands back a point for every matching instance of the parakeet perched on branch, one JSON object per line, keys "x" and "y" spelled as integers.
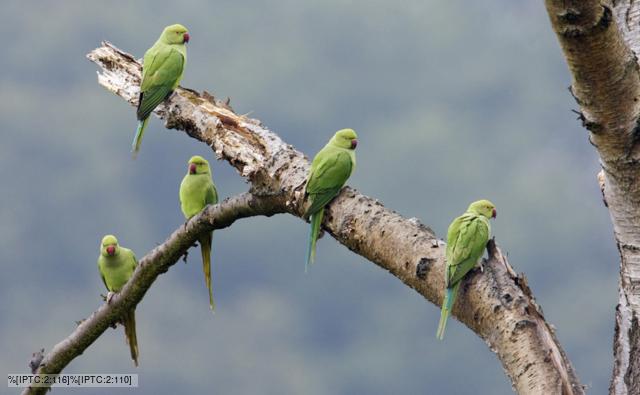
{"x": 330, "y": 169}
{"x": 197, "y": 190}
{"x": 116, "y": 265}
{"x": 467, "y": 238}
{"x": 162, "y": 70}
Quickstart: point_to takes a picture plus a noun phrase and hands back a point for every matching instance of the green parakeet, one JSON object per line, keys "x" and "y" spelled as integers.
{"x": 116, "y": 265}
{"x": 197, "y": 190}
{"x": 330, "y": 169}
{"x": 162, "y": 70}
{"x": 466, "y": 240}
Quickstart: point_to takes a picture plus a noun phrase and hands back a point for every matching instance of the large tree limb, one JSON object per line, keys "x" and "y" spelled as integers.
{"x": 497, "y": 305}
{"x": 149, "y": 268}
{"x": 600, "y": 40}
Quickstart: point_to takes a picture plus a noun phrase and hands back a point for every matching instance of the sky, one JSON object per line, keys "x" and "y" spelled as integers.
{"x": 452, "y": 101}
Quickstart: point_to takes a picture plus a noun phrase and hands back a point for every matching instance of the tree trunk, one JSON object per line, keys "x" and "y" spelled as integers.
{"x": 600, "y": 40}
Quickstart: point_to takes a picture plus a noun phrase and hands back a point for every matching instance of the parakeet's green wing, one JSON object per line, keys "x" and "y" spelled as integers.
{"x": 211, "y": 196}
{"x": 158, "y": 78}
{"x": 452, "y": 236}
{"x": 134, "y": 261}
{"x": 166, "y": 65}
{"x": 472, "y": 237}
{"x": 148, "y": 66}
{"x": 104, "y": 280}
{"x": 327, "y": 178}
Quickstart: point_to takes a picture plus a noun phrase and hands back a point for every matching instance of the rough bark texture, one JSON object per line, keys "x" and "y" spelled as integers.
{"x": 149, "y": 268}
{"x": 497, "y": 305}
{"x": 600, "y": 40}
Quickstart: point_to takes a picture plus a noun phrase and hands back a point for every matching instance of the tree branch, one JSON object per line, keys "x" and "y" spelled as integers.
{"x": 497, "y": 305}
{"x": 156, "y": 262}
{"x": 600, "y": 40}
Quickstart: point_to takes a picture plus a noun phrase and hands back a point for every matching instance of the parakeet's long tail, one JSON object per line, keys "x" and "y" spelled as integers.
{"x": 137, "y": 139}
{"x": 129, "y": 322}
{"x": 316, "y": 220}
{"x": 447, "y": 305}
{"x": 205, "y": 248}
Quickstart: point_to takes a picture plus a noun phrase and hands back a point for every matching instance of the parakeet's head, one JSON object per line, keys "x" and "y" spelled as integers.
{"x": 175, "y": 34}
{"x": 345, "y": 138}
{"x": 199, "y": 165}
{"x": 109, "y": 246}
{"x": 483, "y": 207}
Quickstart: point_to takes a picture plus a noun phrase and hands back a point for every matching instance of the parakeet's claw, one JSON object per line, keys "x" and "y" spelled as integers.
{"x": 36, "y": 360}
{"x": 321, "y": 234}
{"x": 110, "y": 296}
{"x": 185, "y": 256}
{"x": 104, "y": 297}
{"x": 481, "y": 265}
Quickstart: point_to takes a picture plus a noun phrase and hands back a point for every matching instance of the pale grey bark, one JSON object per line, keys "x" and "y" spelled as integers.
{"x": 600, "y": 40}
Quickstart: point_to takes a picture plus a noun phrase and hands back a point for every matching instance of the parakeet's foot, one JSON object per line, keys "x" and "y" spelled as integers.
{"x": 185, "y": 256}
{"x": 36, "y": 360}
{"x": 321, "y": 234}
{"x": 110, "y": 296}
{"x": 481, "y": 265}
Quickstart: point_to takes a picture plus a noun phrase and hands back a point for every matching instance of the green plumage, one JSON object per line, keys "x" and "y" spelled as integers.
{"x": 466, "y": 240}
{"x": 197, "y": 190}
{"x": 162, "y": 70}
{"x": 116, "y": 265}
{"x": 330, "y": 169}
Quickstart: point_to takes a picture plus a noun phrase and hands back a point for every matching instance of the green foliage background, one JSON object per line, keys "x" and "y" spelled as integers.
{"x": 453, "y": 101}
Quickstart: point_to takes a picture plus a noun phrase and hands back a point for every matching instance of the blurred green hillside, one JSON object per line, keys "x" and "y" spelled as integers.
{"x": 453, "y": 101}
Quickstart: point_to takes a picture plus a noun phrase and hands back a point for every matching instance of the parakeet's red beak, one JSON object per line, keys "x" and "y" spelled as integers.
{"x": 111, "y": 250}
{"x": 186, "y": 37}
{"x": 354, "y": 143}
{"x": 494, "y": 213}
{"x": 192, "y": 168}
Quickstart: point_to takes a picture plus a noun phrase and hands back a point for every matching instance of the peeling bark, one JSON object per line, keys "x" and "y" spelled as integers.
{"x": 497, "y": 304}
{"x": 600, "y": 40}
